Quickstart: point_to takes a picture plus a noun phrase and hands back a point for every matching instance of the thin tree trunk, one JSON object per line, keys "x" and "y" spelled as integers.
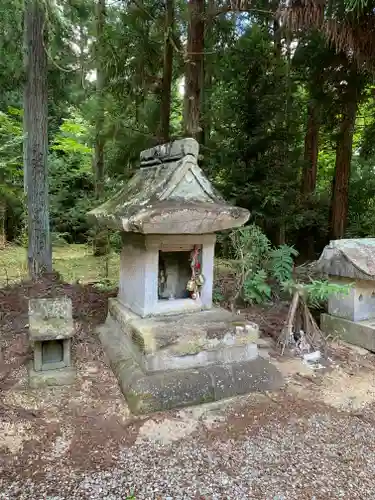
{"x": 100, "y": 243}
{"x": 311, "y": 150}
{"x": 306, "y": 238}
{"x": 99, "y": 122}
{"x": 207, "y": 76}
{"x": 3, "y": 238}
{"x": 340, "y": 183}
{"x": 166, "y": 93}
{"x": 194, "y": 68}
{"x": 36, "y": 118}
{"x": 277, "y": 38}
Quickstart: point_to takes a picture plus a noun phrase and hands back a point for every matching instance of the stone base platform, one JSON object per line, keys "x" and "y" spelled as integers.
{"x": 46, "y": 378}
{"x": 359, "y": 333}
{"x": 174, "y": 361}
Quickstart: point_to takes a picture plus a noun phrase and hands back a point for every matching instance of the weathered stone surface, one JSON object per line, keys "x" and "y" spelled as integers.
{"x": 172, "y": 150}
{"x": 139, "y": 269}
{"x": 147, "y": 393}
{"x": 173, "y": 197}
{"x": 50, "y": 319}
{"x": 358, "y": 304}
{"x": 361, "y": 333}
{"x": 259, "y": 375}
{"x": 187, "y": 340}
{"x": 351, "y": 258}
{"x": 40, "y": 379}
{"x": 163, "y": 391}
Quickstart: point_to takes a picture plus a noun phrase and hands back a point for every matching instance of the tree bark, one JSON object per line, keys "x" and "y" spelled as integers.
{"x": 36, "y": 118}
{"x": 166, "y": 91}
{"x": 340, "y": 183}
{"x": 306, "y": 235}
{"x": 207, "y": 76}
{"x": 3, "y": 238}
{"x": 100, "y": 242}
{"x": 311, "y": 150}
{"x": 194, "y": 69}
{"x": 99, "y": 122}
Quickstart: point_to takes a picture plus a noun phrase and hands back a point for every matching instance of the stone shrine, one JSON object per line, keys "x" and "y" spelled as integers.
{"x": 51, "y": 330}
{"x": 167, "y": 345}
{"x": 351, "y": 316}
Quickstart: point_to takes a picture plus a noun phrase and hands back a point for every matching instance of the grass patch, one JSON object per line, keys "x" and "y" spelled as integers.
{"x": 73, "y": 262}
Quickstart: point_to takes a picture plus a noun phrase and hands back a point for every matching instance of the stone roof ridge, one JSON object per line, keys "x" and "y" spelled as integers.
{"x": 352, "y": 258}
{"x": 169, "y": 152}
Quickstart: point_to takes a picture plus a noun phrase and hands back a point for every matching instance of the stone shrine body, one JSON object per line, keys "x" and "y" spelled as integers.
{"x": 351, "y": 316}
{"x": 162, "y": 335}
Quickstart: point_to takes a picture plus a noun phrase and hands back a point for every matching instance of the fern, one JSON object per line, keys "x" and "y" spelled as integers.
{"x": 318, "y": 291}
{"x": 256, "y": 290}
{"x": 282, "y": 262}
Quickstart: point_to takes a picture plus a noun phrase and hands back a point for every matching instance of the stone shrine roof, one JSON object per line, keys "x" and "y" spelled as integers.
{"x": 169, "y": 194}
{"x": 353, "y": 258}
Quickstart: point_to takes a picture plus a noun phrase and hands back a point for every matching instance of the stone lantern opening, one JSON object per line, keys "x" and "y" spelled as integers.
{"x": 174, "y": 275}
{"x": 52, "y": 352}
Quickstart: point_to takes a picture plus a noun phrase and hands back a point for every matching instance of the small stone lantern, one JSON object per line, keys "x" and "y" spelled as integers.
{"x": 51, "y": 330}
{"x": 351, "y": 316}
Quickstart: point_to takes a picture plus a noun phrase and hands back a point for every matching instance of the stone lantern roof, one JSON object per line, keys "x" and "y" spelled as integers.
{"x": 169, "y": 194}
{"x": 354, "y": 258}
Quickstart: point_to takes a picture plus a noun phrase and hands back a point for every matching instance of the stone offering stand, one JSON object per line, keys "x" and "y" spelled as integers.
{"x": 351, "y": 316}
{"x": 51, "y": 330}
{"x": 167, "y": 345}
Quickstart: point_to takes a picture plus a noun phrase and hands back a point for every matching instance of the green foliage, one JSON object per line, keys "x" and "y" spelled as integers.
{"x": 217, "y": 296}
{"x": 316, "y": 292}
{"x": 260, "y": 268}
{"x": 256, "y": 289}
{"x": 257, "y": 264}
{"x": 254, "y": 120}
{"x": 72, "y": 138}
{"x": 282, "y": 262}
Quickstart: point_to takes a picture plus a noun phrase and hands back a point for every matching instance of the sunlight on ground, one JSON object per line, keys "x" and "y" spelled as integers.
{"x": 74, "y": 262}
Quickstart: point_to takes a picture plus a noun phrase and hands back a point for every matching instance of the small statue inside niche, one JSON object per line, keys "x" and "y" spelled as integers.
{"x": 162, "y": 278}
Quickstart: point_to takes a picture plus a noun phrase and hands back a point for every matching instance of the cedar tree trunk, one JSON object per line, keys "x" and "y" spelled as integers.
{"x": 36, "y": 142}
{"x": 340, "y": 183}
{"x": 194, "y": 68}
{"x": 166, "y": 91}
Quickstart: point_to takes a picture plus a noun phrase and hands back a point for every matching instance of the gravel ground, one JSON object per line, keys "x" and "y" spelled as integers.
{"x": 281, "y": 447}
{"x": 312, "y": 440}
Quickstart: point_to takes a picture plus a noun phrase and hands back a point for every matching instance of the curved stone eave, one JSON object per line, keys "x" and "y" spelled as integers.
{"x": 183, "y": 222}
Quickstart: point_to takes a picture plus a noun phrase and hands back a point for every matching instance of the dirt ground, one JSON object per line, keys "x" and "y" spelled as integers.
{"x": 64, "y": 443}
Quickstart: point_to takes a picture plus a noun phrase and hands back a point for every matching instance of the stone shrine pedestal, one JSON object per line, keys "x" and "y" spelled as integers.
{"x": 166, "y": 343}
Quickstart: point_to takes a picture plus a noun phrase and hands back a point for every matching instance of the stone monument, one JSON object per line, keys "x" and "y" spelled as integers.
{"x": 51, "y": 330}
{"x": 351, "y": 316}
{"x": 166, "y": 344}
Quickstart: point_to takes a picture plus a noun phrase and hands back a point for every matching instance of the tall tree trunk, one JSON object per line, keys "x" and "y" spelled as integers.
{"x": 100, "y": 243}
{"x": 311, "y": 150}
{"x": 99, "y": 122}
{"x": 36, "y": 118}
{"x": 340, "y": 183}
{"x": 166, "y": 91}
{"x": 194, "y": 69}
{"x": 277, "y": 38}
{"x": 207, "y": 75}
{"x": 306, "y": 236}
{"x": 3, "y": 238}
